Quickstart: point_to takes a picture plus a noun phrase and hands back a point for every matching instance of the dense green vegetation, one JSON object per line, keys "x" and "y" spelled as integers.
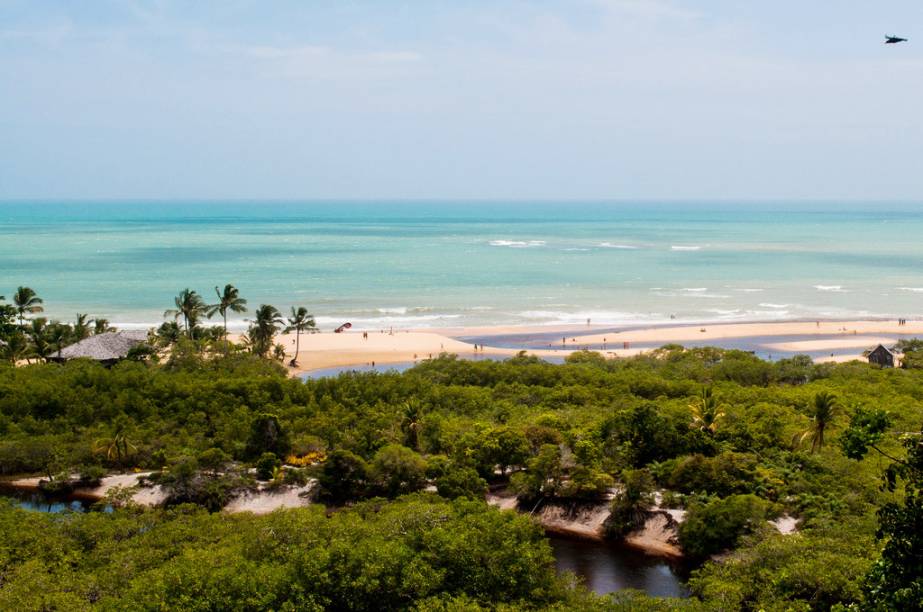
{"x": 730, "y": 438}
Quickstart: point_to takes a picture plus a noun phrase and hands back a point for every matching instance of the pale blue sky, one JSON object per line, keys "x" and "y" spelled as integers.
{"x": 612, "y": 99}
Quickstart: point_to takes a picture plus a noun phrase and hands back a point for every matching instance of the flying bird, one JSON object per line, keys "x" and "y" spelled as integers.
{"x": 893, "y": 40}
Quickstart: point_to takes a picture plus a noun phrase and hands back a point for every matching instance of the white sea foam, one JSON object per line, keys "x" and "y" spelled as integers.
{"x": 609, "y": 245}
{"x": 771, "y": 305}
{"x": 680, "y": 247}
{"x": 557, "y": 317}
{"x": 912, "y": 289}
{"x": 725, "y": 312}
{"x": 576, "y": 249}
{"x": 750, "y": 290}
{"x": 518, "y": 244}
{"x": 696, "y": 289}
{"x": 830, "y": 288}
{"x": 360, "y": 323}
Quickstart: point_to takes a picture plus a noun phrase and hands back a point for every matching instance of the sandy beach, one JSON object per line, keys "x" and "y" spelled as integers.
{"x": 825, "y": 340}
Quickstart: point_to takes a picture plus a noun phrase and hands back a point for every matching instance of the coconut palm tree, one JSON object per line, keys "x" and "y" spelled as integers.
{"x": 168, "y": 333}
{"x": 81, "y": 327}
{"x": 58, "y": 336}
{"x": 118, "y": 446}
{"x": 16, "y": 347}
{"x": 825, "y": 411}
{"x": 229, "y": 299}
{"x": 26, "y": 301}
{"x": 706, "y": 411}
{"x": 410, "y": 423}
{"x": 189, "y": 306}
{"x": 38, "y": 334}
{"x": 267, "y": 323}
{"x": 101, "y": 326}
{"x": 300, "y": 321}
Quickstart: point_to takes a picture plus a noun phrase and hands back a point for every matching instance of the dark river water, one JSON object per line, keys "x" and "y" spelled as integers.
{"x": 604, "y": 568}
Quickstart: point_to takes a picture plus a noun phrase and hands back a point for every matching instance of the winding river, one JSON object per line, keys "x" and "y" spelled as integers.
{"x": 603, "y": 567}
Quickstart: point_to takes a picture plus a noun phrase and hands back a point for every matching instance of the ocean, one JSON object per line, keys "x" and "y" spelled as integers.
{"x": 449, "y": 264}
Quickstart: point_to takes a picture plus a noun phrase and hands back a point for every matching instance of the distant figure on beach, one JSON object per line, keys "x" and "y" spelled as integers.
{"x": 588, "y": 322}
{"x": 564, "y": 341}
{"x": 365, "y": 335}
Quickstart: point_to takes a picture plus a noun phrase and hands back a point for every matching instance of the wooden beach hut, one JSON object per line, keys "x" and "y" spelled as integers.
{"x": 108, "y": 348}
{"x": 882, "y": 357}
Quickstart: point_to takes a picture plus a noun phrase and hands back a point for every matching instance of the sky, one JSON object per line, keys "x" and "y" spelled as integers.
{"x": 461, "y": 99}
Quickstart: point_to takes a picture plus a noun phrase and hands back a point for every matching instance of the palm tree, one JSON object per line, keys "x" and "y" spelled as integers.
{"x": 101, "y": 326}
{"x": 706, "y": 411}
{"x": 81, "y": 327}
{"x": 16, "y": 347}
{"x": 261, "y": 332}
{"x": 189, "y": 306}
{"x": 300, "y": 321}
{"x": 58, "y": 336}
{"x": 410, "y": 423}
{"x": 118, "y": 446}
{"x": 26, "y": 301}
{"x": 227, "y": 300}
{"x": 38, "y": 333}
{"x": 826, "y": 410}
{"x": 168, "y": 333}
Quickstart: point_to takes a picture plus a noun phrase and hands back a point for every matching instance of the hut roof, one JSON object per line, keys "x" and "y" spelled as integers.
{"x": 104, "y": 347}
{"x": 880, "y": 348}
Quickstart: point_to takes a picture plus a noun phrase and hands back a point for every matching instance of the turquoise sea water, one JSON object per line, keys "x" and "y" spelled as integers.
{"x": 436, "y": 264}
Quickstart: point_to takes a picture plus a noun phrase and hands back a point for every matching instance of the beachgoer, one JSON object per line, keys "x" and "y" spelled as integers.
{"x": 588, "y": 322}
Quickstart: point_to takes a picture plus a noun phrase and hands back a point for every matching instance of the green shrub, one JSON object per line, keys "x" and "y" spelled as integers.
{"x": 397, "y": 470}
{"x": 631, "y": 505}
{"x": 461, "y": 482}
{"x": 343, "y": 477}
{"x": 715, "y": 526}
{"x": 266, "y": 464}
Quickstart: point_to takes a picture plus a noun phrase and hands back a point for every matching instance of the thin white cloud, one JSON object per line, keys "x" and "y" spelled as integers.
{"x": 313, "y": 61}
{"x": 647, "y": 9}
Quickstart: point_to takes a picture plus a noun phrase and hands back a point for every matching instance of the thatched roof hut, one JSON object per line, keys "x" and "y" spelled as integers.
{"x": 106, "y": 348}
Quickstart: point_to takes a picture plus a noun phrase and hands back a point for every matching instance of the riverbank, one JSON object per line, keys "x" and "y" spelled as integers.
{"x": 263, "y": 500}
{"x": 829, "y": 340}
